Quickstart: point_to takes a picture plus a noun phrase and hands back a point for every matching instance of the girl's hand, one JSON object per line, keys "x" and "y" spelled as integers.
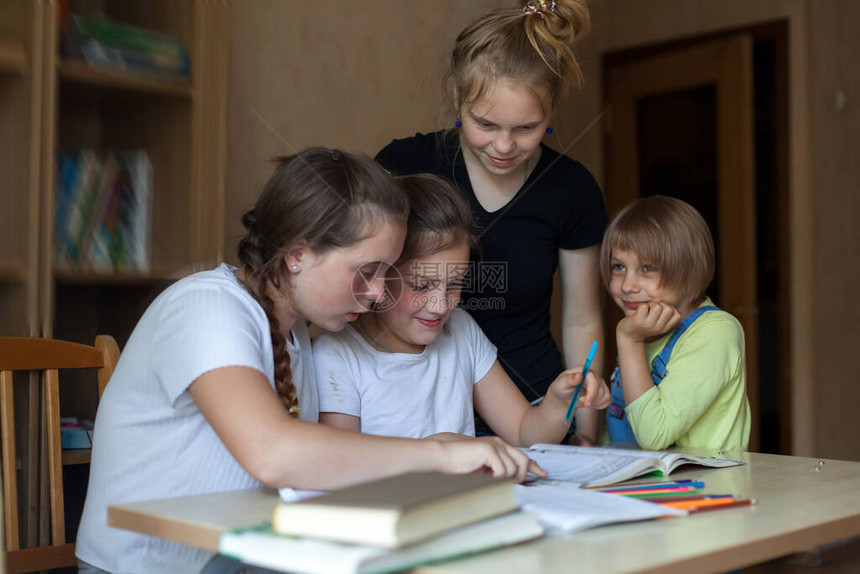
{"x": 447, "y": 436}
{"x": 576, "y": 440}
{"x": 594, "y": 395}
{"x": 650, "y": 320}
{"x": 487, "y": 454}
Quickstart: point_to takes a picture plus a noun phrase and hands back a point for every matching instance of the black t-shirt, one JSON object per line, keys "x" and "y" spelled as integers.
{"x": 508, "y": 291}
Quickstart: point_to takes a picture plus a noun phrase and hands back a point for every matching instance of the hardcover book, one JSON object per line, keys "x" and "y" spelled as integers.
{"x": 397, "y": 511}
{"x": 261, "y": 546}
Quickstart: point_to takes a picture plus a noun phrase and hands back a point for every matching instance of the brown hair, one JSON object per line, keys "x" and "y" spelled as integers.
{"x": 521, "y": 46}
{"x": 326, "y": 198}
{"x": 439, "y": 216}
{"x": 668, "y": 233}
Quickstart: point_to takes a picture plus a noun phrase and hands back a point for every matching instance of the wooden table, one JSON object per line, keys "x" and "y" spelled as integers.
{"x": 802, "y": 502}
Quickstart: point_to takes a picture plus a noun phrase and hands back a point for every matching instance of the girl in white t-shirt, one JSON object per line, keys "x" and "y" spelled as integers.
{"x": 215, "y": 389}
{"x": 417, "y": 366}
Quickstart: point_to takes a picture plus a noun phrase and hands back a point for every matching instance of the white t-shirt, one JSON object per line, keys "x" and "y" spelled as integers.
{"x": 151, "y": 441}
{"x": 403, "y": 394}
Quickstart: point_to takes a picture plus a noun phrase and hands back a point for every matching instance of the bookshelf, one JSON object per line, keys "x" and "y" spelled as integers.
{"x": 51, "y": 102}
{"x": 74, "y": 72}
{"x": 181, "y": 126}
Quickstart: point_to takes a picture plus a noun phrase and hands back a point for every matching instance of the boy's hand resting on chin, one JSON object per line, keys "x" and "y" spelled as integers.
{"x": 650, "y": 320}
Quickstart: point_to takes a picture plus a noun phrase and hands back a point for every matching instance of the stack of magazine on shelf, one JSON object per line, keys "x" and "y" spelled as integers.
{"x": 102, "y": 211}
{"x": 106, "y": 43}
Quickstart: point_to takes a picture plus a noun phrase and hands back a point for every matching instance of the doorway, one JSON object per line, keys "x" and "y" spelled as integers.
{"x": 705, "y": 120}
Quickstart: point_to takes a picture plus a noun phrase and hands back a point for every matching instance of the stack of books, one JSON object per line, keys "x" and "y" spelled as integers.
{"x": 102, "y": 211}
{"x": 107, "y": 43}
{"x": 386, "y": 525}
{"x": 406, "y": 521}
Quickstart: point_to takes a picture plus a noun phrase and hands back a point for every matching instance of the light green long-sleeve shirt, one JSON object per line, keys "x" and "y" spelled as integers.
{"x": 702, "y": 401}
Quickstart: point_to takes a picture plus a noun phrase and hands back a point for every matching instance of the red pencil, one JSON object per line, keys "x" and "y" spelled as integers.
{"x": 745, "y": 502}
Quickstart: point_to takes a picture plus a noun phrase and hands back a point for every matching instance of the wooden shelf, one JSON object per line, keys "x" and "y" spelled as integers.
{"x": 13, "y": 272}
{"x": 13, "y": 57}
{"x": 81, "y": 277}
{"x": 76, "y": 456}
{"x": 81, "y": 73}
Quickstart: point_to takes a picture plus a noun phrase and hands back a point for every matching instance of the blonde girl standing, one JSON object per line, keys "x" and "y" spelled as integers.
{"x": 536, "y": 210}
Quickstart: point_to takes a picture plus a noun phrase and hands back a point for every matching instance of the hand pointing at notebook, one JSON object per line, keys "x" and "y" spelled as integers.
{"x": 500, "y": 458}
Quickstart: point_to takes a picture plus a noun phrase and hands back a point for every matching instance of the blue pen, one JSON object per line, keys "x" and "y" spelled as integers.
{"x": 585, "y": 368}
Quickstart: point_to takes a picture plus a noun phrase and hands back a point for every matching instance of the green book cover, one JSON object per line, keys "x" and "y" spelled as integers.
{"x": 261, "y": 546}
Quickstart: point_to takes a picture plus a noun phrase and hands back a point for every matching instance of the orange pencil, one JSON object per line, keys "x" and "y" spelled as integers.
{"x": 688, "y": 504}
{"x": 745, "y": 502}
{"x": 708, "y": 504}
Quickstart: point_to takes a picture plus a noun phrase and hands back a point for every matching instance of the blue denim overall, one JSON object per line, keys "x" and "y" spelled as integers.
{"x": 616, "y": 419}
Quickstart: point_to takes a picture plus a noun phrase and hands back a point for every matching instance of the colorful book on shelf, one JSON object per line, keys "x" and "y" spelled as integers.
{"x": 397, "y": 511}
{"x": 590, "y": 466}
{"x": 67, "y": 182}
{"x": 137, "y": 209}
{"x": 262, "y": 546}
{"x": 81, "y": 202}
{"x": 96, "y": 244}
{"x": 102, "y": 212}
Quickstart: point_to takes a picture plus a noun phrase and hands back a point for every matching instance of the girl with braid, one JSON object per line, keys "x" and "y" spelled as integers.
{"x": 536, "y": 210}
{"x": 215, "y": 389}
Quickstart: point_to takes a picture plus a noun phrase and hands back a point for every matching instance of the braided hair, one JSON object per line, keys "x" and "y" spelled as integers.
{"x": 326, "y": 198}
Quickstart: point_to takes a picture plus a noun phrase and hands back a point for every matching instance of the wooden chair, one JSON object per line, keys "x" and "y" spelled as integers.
{"x": 45, "y": 355}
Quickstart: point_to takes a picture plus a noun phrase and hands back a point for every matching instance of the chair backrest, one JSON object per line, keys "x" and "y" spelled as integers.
{"x": 47, "y": 356}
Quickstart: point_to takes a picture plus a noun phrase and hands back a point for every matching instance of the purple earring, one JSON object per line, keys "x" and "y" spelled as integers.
{"x": 458, "y": 123}
{"x": 549, "y": 130}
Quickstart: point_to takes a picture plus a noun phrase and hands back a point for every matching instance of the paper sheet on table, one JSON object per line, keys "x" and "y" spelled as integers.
{"x": 288, "y": 494}
{"x": 563, "y": 508}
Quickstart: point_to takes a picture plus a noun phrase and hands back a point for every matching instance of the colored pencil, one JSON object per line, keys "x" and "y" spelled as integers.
{"x": 698, "y": 504}
{"x": 653, "y": 491}
{"x": 687, "y": 504}
{"x": 653, "y": 486}
{"x": 745, "y": 502}
{"x": 585, "y": 367}
{"x": 696, "y": 493}
{"x": 679, "y": 497}
{"x": 679, "y": 482}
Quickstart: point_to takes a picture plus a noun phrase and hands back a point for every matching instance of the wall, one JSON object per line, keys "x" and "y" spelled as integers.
{"x": 342, "y": 74}
{"x": 835, "y": 135}
{"x": 354, "y": 75}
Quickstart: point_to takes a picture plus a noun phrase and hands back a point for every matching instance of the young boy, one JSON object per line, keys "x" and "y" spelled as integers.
{"x": 681, "y": 374}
